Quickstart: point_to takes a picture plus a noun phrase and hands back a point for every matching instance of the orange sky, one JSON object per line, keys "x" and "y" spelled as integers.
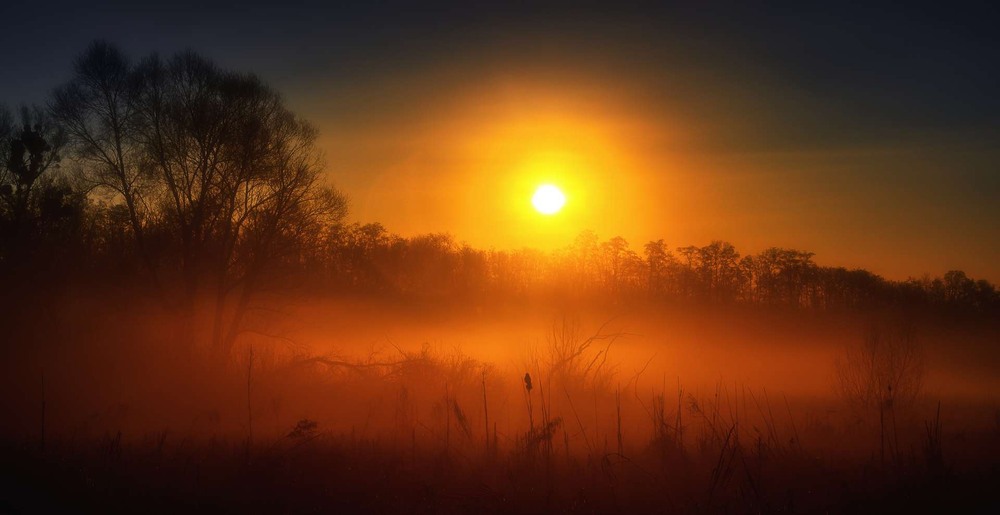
{"x": 440, "y": 151}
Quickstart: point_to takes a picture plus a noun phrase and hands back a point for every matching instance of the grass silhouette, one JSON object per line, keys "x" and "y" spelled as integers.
{"x": 418, "y": 451}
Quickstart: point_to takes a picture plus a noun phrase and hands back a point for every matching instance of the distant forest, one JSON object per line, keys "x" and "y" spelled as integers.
{"x": 367, "y": 257}
{"x": 185, "y": 181}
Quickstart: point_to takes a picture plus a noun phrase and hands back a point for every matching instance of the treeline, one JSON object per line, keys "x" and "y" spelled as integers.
{"x": 198, "y": 186}
{"x": 369, "y": 258}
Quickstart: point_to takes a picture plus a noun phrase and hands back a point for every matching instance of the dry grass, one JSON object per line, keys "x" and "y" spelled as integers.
{"x": 413, "y": 436}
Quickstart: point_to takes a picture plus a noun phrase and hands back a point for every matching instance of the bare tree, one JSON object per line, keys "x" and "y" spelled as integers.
{"x": 883, "y": 374}
{"x": 97, "y": 109}
{"x": 29, "y": 148}
{"x": 886, "y": 369}
{"x": 212, "y": 163}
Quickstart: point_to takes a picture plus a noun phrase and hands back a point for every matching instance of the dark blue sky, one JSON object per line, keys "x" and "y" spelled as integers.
{"x": 929, "y": 67}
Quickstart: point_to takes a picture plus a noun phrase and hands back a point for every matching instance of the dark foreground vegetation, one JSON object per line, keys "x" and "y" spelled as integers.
{"x": 343, "y": 475}
{"x": 162, "y": 222}
{"x": 576, "y": 444}
{"x": 428, "y": 431}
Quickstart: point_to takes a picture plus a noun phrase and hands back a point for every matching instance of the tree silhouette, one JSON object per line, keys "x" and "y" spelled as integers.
{"x": 659, "y": 265}
{"x": 31, "y": 203}
{"x": 883, "y": 375}
{"x": 220, "y": 182}
{"x": 97, "y": 109}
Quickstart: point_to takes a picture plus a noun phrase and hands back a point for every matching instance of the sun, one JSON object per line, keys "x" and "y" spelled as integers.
{"x": 548, "y": 199}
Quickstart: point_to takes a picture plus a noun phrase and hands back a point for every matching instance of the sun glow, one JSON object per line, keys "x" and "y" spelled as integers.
{"x": 548, "y": 199}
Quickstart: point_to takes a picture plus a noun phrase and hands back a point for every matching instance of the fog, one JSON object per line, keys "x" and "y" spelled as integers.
{"x": 107, "y": 366}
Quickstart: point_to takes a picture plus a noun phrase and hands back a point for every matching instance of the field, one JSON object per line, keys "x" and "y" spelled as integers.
{"x": 615, "y": 420}
{"x": 514, "y": 258}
